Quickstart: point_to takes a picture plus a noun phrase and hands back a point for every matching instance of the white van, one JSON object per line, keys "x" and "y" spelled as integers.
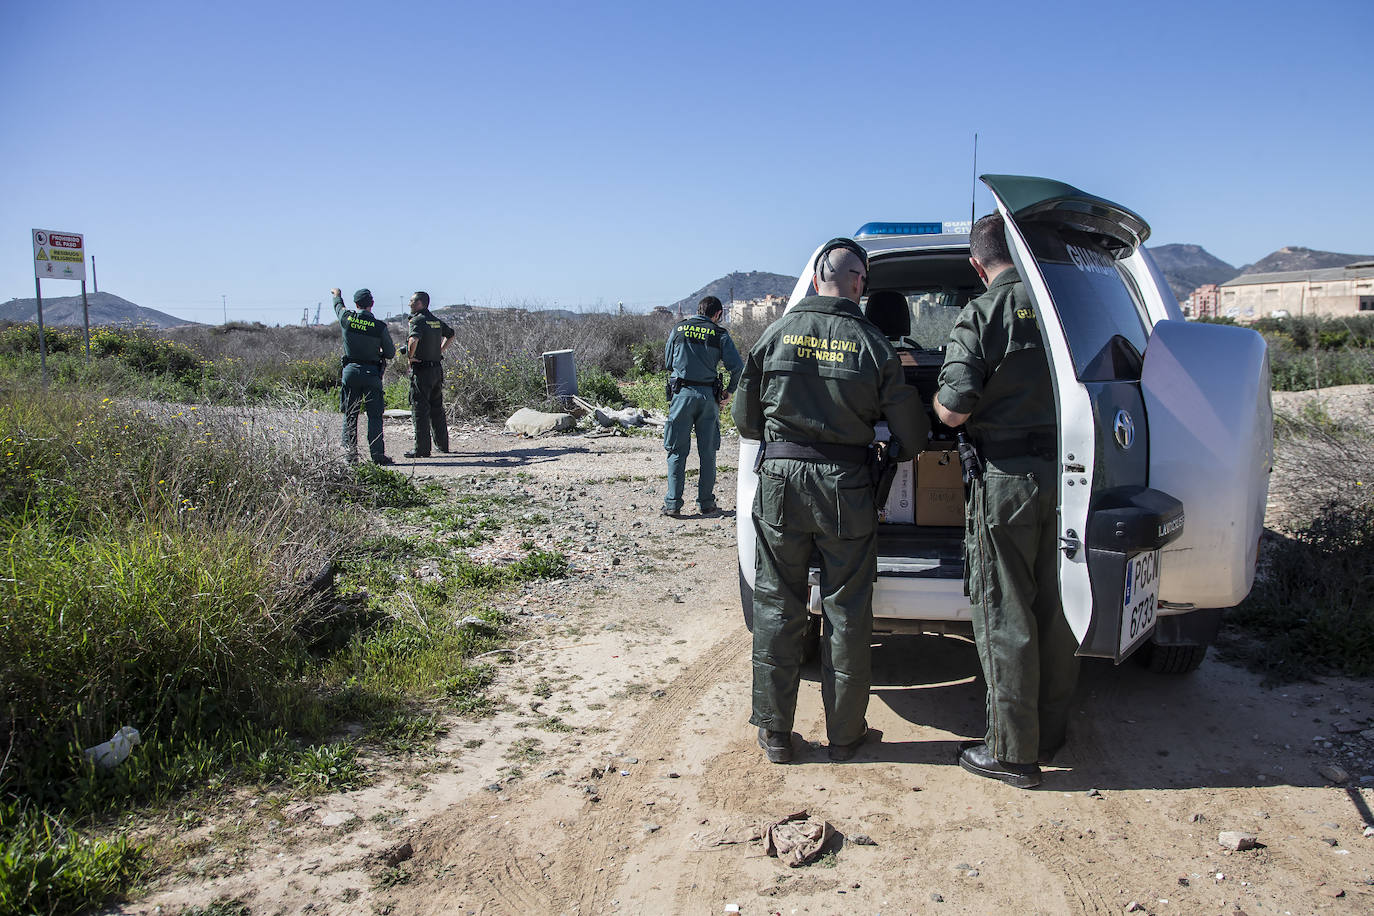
{"x": 1154, "y": 412}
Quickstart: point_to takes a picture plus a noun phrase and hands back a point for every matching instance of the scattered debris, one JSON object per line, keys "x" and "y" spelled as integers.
{"x": 1236, "y": 840}
{"x": 1134, "y": 907}
{"x": 652, "y": 828}
{"x": 798, "y": 838}
{"x": 113, "y": 752}
{"x": 862, "y": 839}
{"x": 937, "y": 898}
{"x": 1093, "y": 793}
{"x": 1196, "y": 818}
{"x": 528, "y": 422}
{"x": 1329, "y": 890}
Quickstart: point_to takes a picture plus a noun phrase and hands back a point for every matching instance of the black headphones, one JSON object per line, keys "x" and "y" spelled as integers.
{"x": 823, "y": 257}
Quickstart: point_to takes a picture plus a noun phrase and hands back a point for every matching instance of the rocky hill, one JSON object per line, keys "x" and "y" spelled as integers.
{"x": 107, "y": 310}
{"x": 1296, "y": 258}
{"x": 1187, "y": 267}
{"x": 754, "y": 284}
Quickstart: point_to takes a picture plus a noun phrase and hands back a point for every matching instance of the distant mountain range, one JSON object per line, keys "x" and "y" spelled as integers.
{"x": 752, "y": 285}
{"x": 106, "y": 309}
{"x": 1186, "y": 267}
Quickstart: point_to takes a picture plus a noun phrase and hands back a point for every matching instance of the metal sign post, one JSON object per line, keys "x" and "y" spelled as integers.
{"x": 42, "y": 343}
{"x": 58, "y": 256}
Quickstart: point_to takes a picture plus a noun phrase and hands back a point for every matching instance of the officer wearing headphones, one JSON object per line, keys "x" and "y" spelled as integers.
{"x": 814, "y": 385}
{"x": 693, "y": 351}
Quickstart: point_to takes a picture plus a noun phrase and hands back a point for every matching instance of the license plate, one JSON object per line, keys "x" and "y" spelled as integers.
{"x": 1140, "y": 598}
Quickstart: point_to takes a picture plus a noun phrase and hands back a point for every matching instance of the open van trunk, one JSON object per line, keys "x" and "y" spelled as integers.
{"x": 921, "y": 530}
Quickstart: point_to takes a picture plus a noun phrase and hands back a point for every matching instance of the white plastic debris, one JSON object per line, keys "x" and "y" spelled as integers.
{"x": 114, "y": 751}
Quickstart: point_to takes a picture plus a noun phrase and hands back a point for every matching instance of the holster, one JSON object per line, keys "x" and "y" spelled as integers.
{"x": 884, "y": 461}
{"x": 718, "y": 388}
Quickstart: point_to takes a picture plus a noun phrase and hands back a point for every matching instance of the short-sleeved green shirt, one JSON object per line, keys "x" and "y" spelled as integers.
{"x": 432, "y": 332}
{"x": 696, "y": 346}
{"x": 996, "y": 369}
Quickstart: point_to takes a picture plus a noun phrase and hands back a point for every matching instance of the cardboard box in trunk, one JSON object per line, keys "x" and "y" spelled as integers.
{"x": 939, "y": 488}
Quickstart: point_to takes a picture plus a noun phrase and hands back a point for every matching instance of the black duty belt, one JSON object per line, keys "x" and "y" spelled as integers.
{"x": 426, "y": 363}
{"x": 350, "y": 361}
{"x": 817, "y": 451}
{"x": 1034, "y": 445}
{"x": 687, "y": 381}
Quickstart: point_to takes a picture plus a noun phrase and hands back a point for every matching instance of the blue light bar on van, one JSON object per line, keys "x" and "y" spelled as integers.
{"x": 956, "y": 227}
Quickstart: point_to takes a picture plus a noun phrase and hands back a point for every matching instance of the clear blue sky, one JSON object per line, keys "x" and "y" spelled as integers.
{"x": 583, "y": 154}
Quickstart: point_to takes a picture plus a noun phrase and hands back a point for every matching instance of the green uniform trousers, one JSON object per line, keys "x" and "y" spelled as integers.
{"x": 362, "y": 386}
{"x": 1024, "y": 643}
{"x": 693, "y": 408}
{"x": 801, "y": 507}
{"x": 427, "y": 408}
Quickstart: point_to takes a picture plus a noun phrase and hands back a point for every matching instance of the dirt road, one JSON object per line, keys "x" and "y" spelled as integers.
{"x": 621, "y": 776}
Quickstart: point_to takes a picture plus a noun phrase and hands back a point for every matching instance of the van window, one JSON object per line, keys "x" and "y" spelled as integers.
{"x": 1102, "y": 319}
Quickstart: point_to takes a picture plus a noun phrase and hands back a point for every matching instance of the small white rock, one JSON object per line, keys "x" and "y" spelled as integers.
{"x": 1236, "y": 840}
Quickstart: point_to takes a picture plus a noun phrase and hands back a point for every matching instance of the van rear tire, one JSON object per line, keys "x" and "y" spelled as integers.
{"x": 1171, "y": 659}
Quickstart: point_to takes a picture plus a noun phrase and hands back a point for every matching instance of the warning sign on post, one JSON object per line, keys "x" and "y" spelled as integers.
{"x": 58, "y": 255}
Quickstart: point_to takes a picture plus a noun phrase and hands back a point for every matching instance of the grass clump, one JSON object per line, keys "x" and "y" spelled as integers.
{"x": 163, "y": 571}
{"x": 48, "y": 867}
{"x": 1309, "y": 611}
{"x": 1310, "y": 606}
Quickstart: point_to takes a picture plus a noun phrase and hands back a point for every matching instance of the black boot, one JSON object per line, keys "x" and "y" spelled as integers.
{"x": 777, "y": 745}
{"x": 979, "y": 761}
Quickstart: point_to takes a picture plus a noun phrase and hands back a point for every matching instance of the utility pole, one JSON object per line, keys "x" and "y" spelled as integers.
{"x": 95, "y": 281}
{"x": 224, "y": 304}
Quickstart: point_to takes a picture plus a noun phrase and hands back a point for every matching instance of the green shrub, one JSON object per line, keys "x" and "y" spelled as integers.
{"x": 1309, "y": 608}
{"x": 600, "y": 387}
{"x": 47, "y": 867}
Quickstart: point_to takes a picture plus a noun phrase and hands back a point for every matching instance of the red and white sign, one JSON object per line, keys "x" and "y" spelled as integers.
{"x": 58, "y": 255}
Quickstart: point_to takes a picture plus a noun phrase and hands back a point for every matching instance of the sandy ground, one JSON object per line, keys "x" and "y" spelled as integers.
{"x": 645, "y": 785}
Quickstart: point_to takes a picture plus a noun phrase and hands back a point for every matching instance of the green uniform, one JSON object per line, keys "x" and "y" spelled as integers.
{"x": 427, "y": 381}
{"x": 996, "y": 371}
{"x": 366, "y": 348}
{"x": 694, "y": 349}
{"x": 820, "y": 376}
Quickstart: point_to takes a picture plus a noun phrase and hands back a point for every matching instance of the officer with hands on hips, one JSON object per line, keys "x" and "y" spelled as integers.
{"x": 429, "y": 338}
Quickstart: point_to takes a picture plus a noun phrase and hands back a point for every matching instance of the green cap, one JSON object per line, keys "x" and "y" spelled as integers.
{"x": 362, "y": 298}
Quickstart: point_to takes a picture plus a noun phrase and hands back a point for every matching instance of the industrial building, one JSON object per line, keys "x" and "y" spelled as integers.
{"x": 1330, "y": 292}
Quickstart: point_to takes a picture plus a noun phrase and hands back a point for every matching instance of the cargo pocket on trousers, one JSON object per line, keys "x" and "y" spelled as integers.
{"x": 1011, "y": 499}
{"x": 857, "y": 514}
{"x": 770, "y": 499}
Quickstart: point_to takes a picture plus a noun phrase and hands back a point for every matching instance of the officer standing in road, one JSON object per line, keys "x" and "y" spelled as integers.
{"x": 367, "y": 348}
{"x": 694, "y": 349}
{"x": 996, "y": 384}
{"x": 429, "y": 338}
{"x": 814, "y": 385}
